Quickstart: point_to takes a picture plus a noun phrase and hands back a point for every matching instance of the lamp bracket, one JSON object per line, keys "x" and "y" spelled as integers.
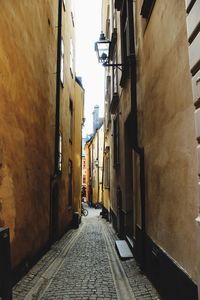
{"x": 119, "y": 66}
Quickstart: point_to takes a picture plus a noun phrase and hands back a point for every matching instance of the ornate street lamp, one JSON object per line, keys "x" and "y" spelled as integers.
{"x": 102, "y": 48}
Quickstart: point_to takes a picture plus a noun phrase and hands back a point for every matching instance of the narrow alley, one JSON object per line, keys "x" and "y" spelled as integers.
{"x": 85, "y": 265}
{"x": 100, "y": 106}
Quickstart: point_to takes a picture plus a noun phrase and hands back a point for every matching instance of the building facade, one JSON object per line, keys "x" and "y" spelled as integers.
{"x": 150, "y": 138}
{"x": 94, "y": 167}
{"x": 40, "y": 147}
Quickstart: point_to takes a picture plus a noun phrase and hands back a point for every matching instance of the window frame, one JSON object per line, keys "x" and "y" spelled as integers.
{"x": 60, "y": 152}
{"x": 71, "y": 127}
{"x": 147, "y": 8}
{"x": 70, "y": 183}
{"x": 116, "y": 143}
{"x": 71, "y": 57}
{"x": 107, "y": 168}
{"x": 62, "y": 54}
{"x": 127, "y": 41}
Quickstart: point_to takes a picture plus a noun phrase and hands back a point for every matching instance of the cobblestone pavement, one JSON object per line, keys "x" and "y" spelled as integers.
{"x": 84, "y": 265}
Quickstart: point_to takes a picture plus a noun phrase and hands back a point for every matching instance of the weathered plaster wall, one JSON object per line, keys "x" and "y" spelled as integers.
{"x": 106, "y": 189}
{"x": 100, "y": 155}
{"x": 79, "y": 101}
{"x": 167, "y": 134}
{"x": 27, "y": 93}
{"x": 67, "y": 93}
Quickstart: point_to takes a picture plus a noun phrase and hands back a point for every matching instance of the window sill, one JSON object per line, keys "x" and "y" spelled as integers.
{"x": 125, "y": 76}
{"x": 114, "y": 103}
{"x": 198, "y": 219}
{"x": 106, "y": 187}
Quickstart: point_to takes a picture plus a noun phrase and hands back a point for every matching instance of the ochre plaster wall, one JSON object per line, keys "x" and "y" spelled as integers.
{"x": 79, "y": 101}
{"x": 27, "y": 132}
{"x": 167, "y": 134}
{"x": 94, "y": 170}
{"x": 27, "y": 93}
{"x": 106, "y": 189}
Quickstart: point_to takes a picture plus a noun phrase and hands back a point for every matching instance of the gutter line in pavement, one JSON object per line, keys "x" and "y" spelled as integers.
{"x": 45, "y": 280}
{"x": 120, "y": 279}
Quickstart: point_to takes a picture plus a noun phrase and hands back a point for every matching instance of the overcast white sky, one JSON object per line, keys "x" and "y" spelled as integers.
{"x": 88, "y": 28}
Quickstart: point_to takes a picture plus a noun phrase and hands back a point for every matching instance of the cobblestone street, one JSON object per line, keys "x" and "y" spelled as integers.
{"x": 84, "y": 265}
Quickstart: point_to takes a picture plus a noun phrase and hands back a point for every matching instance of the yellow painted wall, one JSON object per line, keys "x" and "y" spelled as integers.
{"x": 97, "y": 151}
{"x": 106, "y": 189}
{"x": 27, "y": 109}
{"x": 94, "y": 170}
{"x": 67, "y": 94}
{"x": 27, "y": 126}
{"x": 101, "y": 153}
{"x": 79, "y": 105}
{"x": 86, "y": 149}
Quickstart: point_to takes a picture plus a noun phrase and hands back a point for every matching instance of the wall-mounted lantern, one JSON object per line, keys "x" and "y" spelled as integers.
{"x": 102, "y": 47}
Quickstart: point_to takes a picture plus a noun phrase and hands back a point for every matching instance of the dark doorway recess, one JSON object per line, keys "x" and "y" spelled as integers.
{"x": 54, "y": 228}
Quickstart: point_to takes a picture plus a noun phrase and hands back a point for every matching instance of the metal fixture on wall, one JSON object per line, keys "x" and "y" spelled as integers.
{"x": 102, "y": 48}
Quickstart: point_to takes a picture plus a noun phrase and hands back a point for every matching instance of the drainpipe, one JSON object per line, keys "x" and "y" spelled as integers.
{"x": 98, "y": 163}
{"x": 54, "y": 178}
{"x": 136, "y": 146}
{"x": 57, "y": 125}
{"x": 103, "y": 166}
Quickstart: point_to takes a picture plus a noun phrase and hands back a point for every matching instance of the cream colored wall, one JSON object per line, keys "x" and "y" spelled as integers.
{"x": 167, "y": 131}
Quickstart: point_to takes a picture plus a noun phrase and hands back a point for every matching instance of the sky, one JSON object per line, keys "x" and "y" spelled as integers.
{"x": 88, "y": 28}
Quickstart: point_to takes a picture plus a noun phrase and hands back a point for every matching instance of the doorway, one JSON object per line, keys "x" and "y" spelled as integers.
{"x": 54, "y": 235}
{"x": 129, "y": 217}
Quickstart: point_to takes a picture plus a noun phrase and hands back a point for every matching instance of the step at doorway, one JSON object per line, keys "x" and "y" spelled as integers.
{"x": 123, "y": 249}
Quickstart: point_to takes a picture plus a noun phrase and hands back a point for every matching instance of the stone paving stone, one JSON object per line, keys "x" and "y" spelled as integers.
{"x": 85, "y": 272}
{"x": 140, "y": 284}
{"x": 85, "y": 268}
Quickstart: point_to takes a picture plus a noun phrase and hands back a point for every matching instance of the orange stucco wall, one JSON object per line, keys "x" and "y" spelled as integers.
{"x": 27, "y": 125}
{"x": 27, "y": 93}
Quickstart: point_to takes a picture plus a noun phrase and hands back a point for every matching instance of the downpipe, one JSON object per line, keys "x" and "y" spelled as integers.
{"x": 135, "y": 144}
{"x": 54, "y": 179}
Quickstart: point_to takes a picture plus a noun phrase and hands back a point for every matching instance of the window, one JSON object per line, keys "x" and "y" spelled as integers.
{"x": 107, "y": 101}
{"x": 147, "y": 7}
{"x": 84, "y": 179}
{"x": 71, "y": 59}
{"x": 60, "y": 153}
{"x": 116, "y": 141}
{"x": 108, "y": 22}
{"x": 72, "y": 17}
{"x": 107, "y": 168}
{"x": 84, "y": 164}
{"x": 114, "y": 78}
{"x": 70, "y": 178}
{"x": 127, "y": 41}
{"x": 70, "y": 121}
{"x": 62, "y": 63}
